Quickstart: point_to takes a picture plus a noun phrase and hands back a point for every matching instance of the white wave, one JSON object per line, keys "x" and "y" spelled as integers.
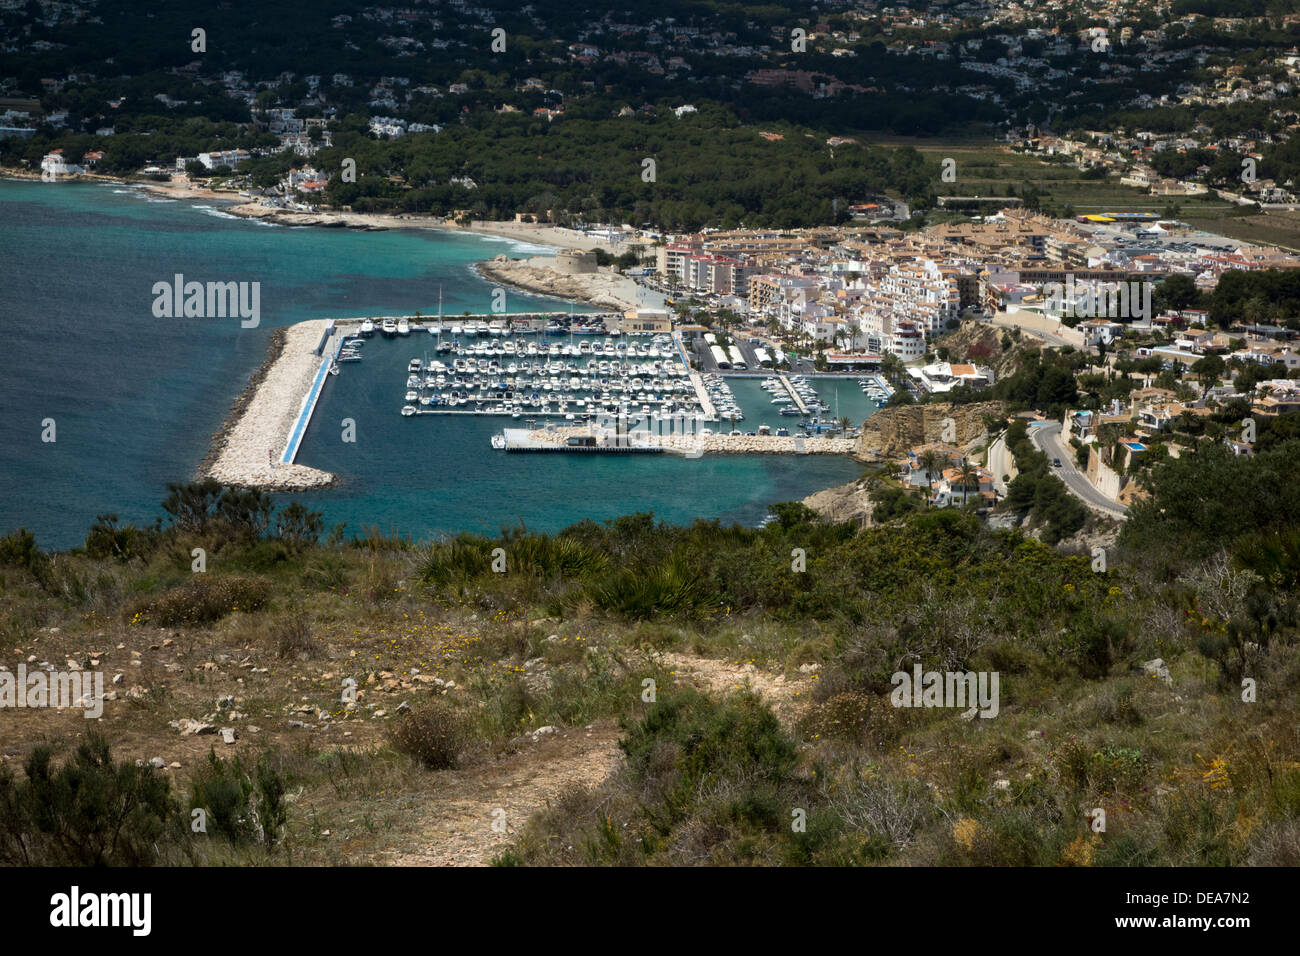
{"x": 214, "y": 211}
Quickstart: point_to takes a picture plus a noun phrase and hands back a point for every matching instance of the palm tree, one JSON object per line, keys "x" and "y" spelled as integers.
{"x": 931, "y": 461}
{"x": 968, "y": 477}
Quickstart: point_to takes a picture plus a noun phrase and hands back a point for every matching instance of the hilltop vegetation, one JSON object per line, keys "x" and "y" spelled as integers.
{"x": 811, "y": 764}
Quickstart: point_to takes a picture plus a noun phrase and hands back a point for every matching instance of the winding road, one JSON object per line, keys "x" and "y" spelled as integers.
{"x": 1046, "y": 437}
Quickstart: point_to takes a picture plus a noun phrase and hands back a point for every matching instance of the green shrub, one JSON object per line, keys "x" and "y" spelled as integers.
{"x": 89, "y": 812}
{"x": 737, "y": 739}
{"x": 243, "y": 806}
{"x": 107, "y": 540}
{"x": 673, "y": 587}
{"x": 19, "y": 550}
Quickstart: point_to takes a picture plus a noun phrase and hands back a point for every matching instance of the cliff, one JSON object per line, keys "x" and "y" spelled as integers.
{"x": 892, "y": 432}
{"x": 848, "y": 502}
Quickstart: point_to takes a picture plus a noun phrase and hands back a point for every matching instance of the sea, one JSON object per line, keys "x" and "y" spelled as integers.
{"x": 102, "y": 404}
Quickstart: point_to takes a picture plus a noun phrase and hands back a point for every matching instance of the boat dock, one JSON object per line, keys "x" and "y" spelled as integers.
{"x": 794, "y": 394}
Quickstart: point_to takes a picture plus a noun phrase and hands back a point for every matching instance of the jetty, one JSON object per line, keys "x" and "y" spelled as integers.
{"x": 329, "y": 347}
{"x": 252, "y": 450}
{"x": 523, "y": 440}
{"x": 570, "y": 438}
{"x": 794, "y": 394}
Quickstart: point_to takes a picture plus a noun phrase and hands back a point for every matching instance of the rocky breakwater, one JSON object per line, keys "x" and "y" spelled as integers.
{"x": 248, "y": 448}
{"x": 539, "y": 275}
{"x": 719, "y": 444}
{"x": 892, "y": 432}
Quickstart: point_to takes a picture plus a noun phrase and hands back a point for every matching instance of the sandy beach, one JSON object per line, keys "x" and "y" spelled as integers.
{"x": 264, "y": 416}
{"x": 541, "y": 234}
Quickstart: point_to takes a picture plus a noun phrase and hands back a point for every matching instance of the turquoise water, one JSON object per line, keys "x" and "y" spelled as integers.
{"x": 135, "y": 399}
{"x": 759, "y": 410}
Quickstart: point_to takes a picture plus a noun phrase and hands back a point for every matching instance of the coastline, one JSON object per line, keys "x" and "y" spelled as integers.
{"x": 263, "y": 412}
{"x": 539, "y": 276}
{"x": 535, "y": 274}
{"x": 541, "y": 234}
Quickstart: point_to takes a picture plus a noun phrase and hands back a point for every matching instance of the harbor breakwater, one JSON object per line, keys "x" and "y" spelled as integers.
{"x": 713, "y": 444}
{"x": 247, "y": 449}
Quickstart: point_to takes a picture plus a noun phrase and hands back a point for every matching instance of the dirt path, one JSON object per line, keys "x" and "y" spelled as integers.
{"x": 724, "y": 677}
{"x": 455, "y": 825}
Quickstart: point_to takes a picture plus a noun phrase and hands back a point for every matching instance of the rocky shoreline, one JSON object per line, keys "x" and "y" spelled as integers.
{"x": 274, "y": 349}
{"x": 288, "y": 217}
{"x": 602, "y": 289}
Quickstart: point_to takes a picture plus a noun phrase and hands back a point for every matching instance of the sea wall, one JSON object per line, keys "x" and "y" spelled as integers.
{"x": 248, "y": 448}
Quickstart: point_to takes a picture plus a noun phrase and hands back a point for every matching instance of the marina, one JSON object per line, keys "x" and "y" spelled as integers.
{"x": 574, "y": 385}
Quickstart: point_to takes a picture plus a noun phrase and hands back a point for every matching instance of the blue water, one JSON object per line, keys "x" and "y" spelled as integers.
{"x": 135, "y": 399}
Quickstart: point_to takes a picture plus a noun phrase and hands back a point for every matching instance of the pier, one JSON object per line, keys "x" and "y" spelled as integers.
{"x": 794, "y": 394}
{"x": 252, "y": 450}
{"x": 553, "y": 439}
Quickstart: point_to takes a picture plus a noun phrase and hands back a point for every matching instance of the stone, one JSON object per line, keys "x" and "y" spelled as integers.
{"x": 1158, "y": 669}
{"x": 157, "y": 763}
{"x": 118, "y": 678}
{"x": 228, "y": 734}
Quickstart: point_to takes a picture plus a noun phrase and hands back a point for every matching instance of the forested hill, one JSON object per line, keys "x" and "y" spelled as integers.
{"x": 704, "y": 171}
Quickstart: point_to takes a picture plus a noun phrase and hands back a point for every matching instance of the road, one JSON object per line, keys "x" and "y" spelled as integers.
{"x": 1047, "y": 439}
{"x": 1048, "y": 330}
{"x": 999, "y": 462}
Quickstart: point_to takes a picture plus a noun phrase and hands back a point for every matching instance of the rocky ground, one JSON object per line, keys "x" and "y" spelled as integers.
{"x": 539, "y": 275}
